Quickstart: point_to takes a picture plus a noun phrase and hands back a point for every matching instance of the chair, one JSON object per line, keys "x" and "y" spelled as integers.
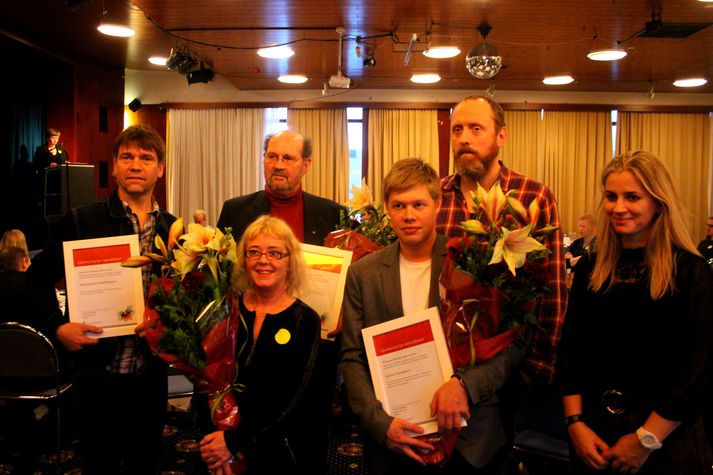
{"x": 541, "y": 439}
{"x": 29, "y": 369}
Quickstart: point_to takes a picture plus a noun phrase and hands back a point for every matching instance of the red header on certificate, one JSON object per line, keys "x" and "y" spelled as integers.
{"x": 402, "y": 338}
{"x": 100, "y": 255}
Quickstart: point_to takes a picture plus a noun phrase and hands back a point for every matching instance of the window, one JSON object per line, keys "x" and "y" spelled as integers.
{"x": 355, "y": 123}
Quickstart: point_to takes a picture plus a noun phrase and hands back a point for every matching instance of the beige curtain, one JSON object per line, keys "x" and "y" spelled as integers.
{"x": 329, "y": 174}
{"x": 683, "y": 143}
{"x": 522, "y": 150}
{"x": 576, "y": 147}
{"x": 213, "y": 155}
{"x": 396, "y": 134}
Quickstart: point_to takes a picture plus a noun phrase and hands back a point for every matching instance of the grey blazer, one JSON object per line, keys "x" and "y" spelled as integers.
{"x": 373, "y": 295}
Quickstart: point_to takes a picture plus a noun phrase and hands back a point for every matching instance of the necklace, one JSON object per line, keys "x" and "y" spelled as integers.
{"x": 262, "y": 310}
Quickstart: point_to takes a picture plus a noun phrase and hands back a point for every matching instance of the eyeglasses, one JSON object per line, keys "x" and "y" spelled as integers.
{"x": 272, "y": 255}
{"x": 287, "y": 159}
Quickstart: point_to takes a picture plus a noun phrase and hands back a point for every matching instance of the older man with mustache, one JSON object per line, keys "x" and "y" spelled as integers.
{"x": 478, "y": 131}
{"x": 287, "y": 158}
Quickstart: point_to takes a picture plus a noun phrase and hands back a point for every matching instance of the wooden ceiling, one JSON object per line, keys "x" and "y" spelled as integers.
{"x": 535, "y": 39}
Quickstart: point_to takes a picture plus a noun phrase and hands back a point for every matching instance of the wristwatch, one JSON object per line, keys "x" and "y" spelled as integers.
{"x": 648, "y": 439}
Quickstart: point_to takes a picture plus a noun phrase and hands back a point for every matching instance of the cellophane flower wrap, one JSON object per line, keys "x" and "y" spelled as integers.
{"x": 192, "y": 318}
{"x": 493, "y": 276}
{"x": 364, "y": 226}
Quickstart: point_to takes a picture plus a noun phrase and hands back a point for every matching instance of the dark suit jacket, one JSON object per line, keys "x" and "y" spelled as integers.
{"x": 373, "y": 295}
{"x": 320, "y": 217}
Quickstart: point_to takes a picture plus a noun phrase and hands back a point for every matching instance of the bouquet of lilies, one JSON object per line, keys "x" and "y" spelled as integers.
{"x": 493, "y": 276}
{"x": 364, "y": 226}
{"x": 192, "y": 318}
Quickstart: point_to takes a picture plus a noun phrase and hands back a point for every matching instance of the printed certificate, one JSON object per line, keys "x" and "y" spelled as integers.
{"x": 408, "y": 361}
{"x": 328, "y": 274}
{"x": 99, "y": 291}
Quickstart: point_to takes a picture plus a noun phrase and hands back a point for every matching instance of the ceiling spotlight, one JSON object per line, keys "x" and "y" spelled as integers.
{"x": 112, "y": 29}
{"x": 483, "y": 60}
{"x": 181, "y": 60}
{"x": 203, "y": 75}
{"x": 276, "y": 52}
{"x": 158, "y": 60}
{"x": 292, "y": 78}
{"x": 425, "y": 78}
{"x": 690, "y": 82}
{"x": 607, "y": 55}
{"x": 558, "y": 80}
{"x": 440, "y": 52}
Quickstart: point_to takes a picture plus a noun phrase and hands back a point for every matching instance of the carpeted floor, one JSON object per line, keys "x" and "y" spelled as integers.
{"x": 28, "y": 448}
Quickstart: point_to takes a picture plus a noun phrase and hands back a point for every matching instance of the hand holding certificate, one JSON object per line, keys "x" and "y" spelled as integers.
{"x": 100, "y": 292}
{"x": 409, "y": 363}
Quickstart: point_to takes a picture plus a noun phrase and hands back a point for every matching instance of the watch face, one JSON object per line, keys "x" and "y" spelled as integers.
{"x": 648, "y": 441}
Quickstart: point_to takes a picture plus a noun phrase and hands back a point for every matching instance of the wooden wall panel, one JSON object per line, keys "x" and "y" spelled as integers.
{"x": 98, "y": 88}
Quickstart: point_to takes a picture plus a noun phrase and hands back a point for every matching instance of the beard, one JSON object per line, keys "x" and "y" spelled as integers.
{"x": 474, "y": 169}
{"x": 281, "y": 187}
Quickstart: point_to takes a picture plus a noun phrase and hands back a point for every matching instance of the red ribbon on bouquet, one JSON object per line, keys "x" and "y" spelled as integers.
{"x": 471, "y": 318}
{"x": 220, "y": 347}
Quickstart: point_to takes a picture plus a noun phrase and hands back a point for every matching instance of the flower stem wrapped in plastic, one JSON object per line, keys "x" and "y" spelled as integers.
{"x": 493, "y": 277}
{"x": 192, "y": 317}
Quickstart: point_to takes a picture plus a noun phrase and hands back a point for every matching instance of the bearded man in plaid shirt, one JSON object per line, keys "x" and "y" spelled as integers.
{"x": 477, "y": 132}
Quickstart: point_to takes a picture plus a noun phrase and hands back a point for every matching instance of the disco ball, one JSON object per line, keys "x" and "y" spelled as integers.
{"x": 483, "y": 61}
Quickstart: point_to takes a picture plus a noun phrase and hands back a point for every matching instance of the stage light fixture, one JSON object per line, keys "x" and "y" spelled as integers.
{"x": 181, "y": 60}
{"x": 203, "y": 74}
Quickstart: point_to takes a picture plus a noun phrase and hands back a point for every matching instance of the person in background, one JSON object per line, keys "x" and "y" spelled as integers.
{"x": 287, "y": 158}
{"x": 120, "y": 386}
{"x": 200, "y": 217}
{"x": 635, "y": 357}
{"x": 399, "y": 280}
{"x": 278, "y": 431}
{"x": 14, "y": 238}
{"x": 51, "y": 153}
{"x": 705, "y": 247}
{"x": 586, "y": 226}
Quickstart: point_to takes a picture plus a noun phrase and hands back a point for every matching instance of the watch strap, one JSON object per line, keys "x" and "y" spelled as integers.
{"x": 574, "y": 418}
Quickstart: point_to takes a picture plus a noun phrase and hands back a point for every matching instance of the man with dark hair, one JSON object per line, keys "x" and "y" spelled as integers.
{"x": 287, "y": 158}
{"x": 121, "y": 386}
{"x": 399, "y": 280}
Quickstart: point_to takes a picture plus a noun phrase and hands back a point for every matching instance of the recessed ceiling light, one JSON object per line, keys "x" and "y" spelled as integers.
{"x": 558, "y": 80}
{"x": 110, "y": 29}
{"x": 292, "y": 78}
{"x": 607, "y": 55}
{"x": 440, "y": 52}
{"x": 690, "y": 82}
{"x": 425, "y": 78}
{"x": 158, "y": 60}
{"x": 276, "y": 52}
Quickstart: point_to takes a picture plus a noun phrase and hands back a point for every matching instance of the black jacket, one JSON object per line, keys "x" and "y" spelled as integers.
{"x": 320, "y": 215}
{"x": 101, "y": 219}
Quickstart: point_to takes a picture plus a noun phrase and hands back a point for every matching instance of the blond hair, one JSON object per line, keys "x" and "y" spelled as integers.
{"x": 410, "y": 172}
{"x": 297, "y": 273}
{"x": 668, "y": 229}
{"x": 14, "y": 238}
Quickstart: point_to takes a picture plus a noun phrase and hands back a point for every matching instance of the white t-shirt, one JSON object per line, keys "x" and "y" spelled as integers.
{"x": 415, "y": 284}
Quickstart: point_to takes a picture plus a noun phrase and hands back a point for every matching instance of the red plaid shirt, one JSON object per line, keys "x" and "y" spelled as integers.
{"x": 541, "y": 353}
